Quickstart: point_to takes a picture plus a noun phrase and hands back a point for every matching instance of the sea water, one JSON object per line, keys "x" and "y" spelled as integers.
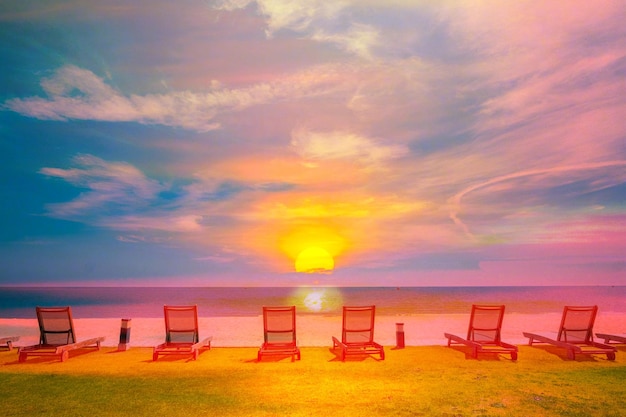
{"x": 148, "y": 302}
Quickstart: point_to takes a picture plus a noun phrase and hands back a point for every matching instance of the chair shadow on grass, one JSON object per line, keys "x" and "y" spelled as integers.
{"x": 273, "y": 359}
{"x": 491, "y": 357}
{"x": 353, "y": 357}
{"x": 562, "y": 354}
{"x": 183, "y": 357}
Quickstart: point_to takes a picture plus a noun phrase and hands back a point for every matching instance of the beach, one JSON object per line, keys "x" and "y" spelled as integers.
{"x": 425, "y": 378}
{"x": 232, "y": 316}
{"x": 312, "y": 330}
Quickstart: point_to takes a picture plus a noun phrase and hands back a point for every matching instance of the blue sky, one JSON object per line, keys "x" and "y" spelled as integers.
{"x": 409, "y": 142}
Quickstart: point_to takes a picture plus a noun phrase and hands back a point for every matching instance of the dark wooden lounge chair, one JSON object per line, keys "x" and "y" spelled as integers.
{"x": 181, "y": 333}
{"x": 484, "y": 332}
{"x": 612, "y": 338}
{"x": 576, "y": 334}
{"x": 279, "y": 332}
{"x": 57, "y": 337}
{"x": 357, "y": 333}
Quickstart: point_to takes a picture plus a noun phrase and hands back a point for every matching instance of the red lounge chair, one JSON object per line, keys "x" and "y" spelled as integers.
{"x": 484, "y": 332}
{"x": 357, "y": 333}
{"x": 576, "y": 334}
{"x": 612, "y": 338}
{"x": 57, "y": 336}
{"x": 7, "y": 342}
{"x": 279, "y": 332}
{"x": 181, "y": 333}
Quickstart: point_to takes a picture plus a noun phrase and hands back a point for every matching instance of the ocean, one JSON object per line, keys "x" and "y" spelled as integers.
{"x": 147, "y": 302}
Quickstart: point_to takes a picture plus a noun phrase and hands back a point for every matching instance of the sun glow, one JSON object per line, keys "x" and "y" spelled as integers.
{"x": 312, "y": 248}
{"x": 314, "y": 260}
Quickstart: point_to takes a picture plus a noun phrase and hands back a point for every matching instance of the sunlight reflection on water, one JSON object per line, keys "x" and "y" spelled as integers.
{"x": 317, "y": 300}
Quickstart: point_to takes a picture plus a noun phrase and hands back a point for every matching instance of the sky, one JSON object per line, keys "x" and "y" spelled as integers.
{"x": 310, "y": 142}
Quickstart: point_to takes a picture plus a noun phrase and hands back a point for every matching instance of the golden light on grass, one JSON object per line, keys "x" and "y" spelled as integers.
{"x": 314, "y": 260}
{"x": 417, "y": 380}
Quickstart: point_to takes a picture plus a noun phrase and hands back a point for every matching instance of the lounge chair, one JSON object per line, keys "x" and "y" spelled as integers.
{"x": 57, "y": 336}
{"x": 612, "y": 338}
{"x": 7, "y": 342}
{"x": 484, "y": 332}
{"x": 279, "y": 332}
{"x": 181, "y": 333}
{"x": 576, "y": 334}
{"x": 357, "y": 333}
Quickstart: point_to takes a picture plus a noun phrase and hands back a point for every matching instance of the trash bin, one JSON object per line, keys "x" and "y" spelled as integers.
{"x": 124, "y": 335}
{"x": 399, "y": 335}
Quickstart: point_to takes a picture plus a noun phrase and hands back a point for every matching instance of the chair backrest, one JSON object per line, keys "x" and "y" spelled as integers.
{"x": 181, "y": 324}
{"x": 577, "y": 324}
{"x": 485, "y": 323}
{"x": 56, "y": 326}
{"x": 279, "y": 325}
{"x": 358, "y": 324}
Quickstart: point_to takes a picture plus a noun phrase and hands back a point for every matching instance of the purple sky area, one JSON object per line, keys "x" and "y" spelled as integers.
{"x": 388, "y": 142}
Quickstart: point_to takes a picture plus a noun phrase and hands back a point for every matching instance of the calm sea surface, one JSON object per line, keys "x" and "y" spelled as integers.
{"x": 110, "y": 302}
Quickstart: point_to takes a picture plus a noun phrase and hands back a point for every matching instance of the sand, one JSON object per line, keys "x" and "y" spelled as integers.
{"x": 313, "y": 330}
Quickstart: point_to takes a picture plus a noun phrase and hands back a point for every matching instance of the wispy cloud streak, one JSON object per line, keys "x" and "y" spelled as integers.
{"x": 110, "y": 184}
{"x": 76, "y": 93}
{"x": 455, "y": 201}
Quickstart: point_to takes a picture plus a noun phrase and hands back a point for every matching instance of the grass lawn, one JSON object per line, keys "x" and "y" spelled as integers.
{"x": 416, "y": 381}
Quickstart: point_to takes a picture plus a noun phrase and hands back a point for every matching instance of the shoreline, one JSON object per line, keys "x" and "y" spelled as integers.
{"x": 312, "y": 330}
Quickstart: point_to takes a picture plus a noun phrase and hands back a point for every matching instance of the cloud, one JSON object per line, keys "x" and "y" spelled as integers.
{"x": 359, "y": 39}
{"x": 112, "y": 186}
{"x": 220, "y": 259}
{"x": 175, "y": 223}
{"x": 455, "y": 201}
{"x": 296, "y": 15}
{"x": 314, "y": 146}
{"x": 319, "y": 20}
{"x": 76, "y": 93}
{"x": 547, "y": 73}
{"x": 120, "y": 197}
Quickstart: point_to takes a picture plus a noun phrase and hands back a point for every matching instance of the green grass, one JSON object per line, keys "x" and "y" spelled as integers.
{"x": 417, "y": 381}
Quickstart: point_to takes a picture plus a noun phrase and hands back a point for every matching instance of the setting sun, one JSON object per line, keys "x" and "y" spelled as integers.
{"x": 314, "y": 260}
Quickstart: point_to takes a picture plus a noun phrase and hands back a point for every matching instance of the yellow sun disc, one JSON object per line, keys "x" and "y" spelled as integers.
{"x": 314, "y": 259}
